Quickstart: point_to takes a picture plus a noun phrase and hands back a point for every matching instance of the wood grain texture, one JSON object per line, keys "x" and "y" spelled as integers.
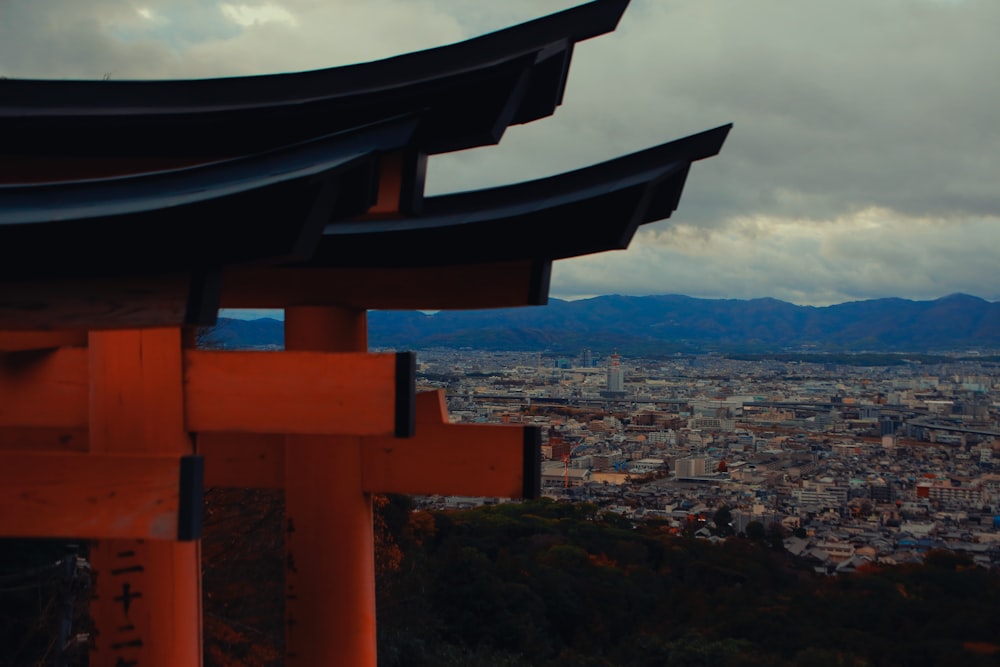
{"x": 446, "y": 459}
{"x": 40, "y": 439}
{"x": 136, "y": 392}
{"x": 58, "y": 494}
{"x": 243, "y": 460}
{"x": 290, "y": 392}
{"x": 94, "y": 303}
{"x": 46, "y": 388}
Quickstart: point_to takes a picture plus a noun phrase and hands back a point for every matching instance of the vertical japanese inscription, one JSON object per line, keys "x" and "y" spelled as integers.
{"x": 122, "y": 579}
{"x": 148, "y": 606}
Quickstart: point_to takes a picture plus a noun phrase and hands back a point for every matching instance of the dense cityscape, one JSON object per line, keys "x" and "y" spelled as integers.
{"x": 847, "y": 464}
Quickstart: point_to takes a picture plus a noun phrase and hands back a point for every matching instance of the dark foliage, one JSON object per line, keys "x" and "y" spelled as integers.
{"x": 243, "y": 568}
{"x": 38, "y": 594}
{"x": 550, "y": 584}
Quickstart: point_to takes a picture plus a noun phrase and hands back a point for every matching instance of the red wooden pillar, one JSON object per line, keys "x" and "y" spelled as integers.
{"x": 330, "y": 577}
{"x": 147, "y": 604}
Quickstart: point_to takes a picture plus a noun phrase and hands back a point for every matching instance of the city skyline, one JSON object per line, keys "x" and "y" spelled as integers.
{"x": 860, "y": 164}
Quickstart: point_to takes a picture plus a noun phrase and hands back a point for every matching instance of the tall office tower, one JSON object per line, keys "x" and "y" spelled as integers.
{"x": 616, "y": 376}
{"x": 587, "y": 359}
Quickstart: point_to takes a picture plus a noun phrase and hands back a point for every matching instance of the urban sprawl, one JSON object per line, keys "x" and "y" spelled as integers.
{"x": 845, "y": 464}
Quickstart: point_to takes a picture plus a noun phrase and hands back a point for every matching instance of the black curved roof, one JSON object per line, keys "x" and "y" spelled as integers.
{"x": 468, "y": 92}
{"x": 594, "y": 209}
{"x": 265, "y": 207}
{"x": 285, "y": 173}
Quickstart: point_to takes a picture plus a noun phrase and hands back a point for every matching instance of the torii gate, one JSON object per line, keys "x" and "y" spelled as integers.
{"x": 112, "y": 422}
{"x": 113, "y": 457}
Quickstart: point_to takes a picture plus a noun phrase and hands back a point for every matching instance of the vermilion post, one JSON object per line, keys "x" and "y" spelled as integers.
{"x": 330, "y": 577}
{"x": 147, "y": 604}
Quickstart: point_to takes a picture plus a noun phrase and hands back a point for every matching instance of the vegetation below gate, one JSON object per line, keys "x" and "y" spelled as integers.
{"x": 547, "y": 584}
{"x": 552, "y": 584}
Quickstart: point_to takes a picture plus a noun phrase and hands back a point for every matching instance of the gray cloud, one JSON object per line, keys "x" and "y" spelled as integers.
{"x": 873, "y": 117}
{"x": 868, "y": 255}
{"x": 836, "y": 106}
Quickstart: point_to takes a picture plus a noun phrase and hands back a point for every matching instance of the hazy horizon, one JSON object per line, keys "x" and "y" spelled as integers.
{"x": 277, "y": 313}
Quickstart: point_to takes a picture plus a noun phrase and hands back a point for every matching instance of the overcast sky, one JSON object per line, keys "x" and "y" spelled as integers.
{"x": 864, "y": 159}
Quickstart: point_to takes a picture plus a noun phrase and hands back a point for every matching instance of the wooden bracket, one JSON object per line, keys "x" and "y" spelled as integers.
{"x": 441, "y": 458}
{"x": 87, "y": 495}
{"x": 454, "y": 459}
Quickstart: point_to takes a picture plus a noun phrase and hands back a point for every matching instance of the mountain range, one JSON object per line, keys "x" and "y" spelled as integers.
{"x": 670, "y": 324}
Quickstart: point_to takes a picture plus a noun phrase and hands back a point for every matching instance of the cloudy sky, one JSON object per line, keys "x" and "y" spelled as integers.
{"x": 864, "y": 159}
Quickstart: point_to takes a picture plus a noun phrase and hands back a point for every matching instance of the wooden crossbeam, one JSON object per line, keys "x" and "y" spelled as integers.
{"x": 305, "y": 393}
{"x": 104, "y": 303}
{"x": 317, "y": 393}
{"x": 60, "y": 307}
{"x": 78, "y": 495}
{"x": 455, "y": 287}
{"x": 441, "y": 458}
{"x": 44, "y": 439}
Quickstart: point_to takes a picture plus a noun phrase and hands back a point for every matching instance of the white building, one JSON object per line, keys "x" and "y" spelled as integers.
{"x": 692, "y": 466}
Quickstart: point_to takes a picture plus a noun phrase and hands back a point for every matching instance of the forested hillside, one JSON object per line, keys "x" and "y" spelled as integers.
{"x": 546, "y": 584}
{"x": 559, "y": 585}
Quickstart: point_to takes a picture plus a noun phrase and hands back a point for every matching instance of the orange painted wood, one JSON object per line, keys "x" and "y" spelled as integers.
{"x": 14, "y": 341}
{"x": 44, "y": 439}
{"x": 137, "y": 406}
{"x": 446, "y": 459}
{"x": 458, "y": 287}
{"x": 243, "y": 460}
{"x": 330, "y": 577}
{"x": 330, "y": 542}
{"x": 290, "y": 392}
{"x": 136, "y": 396}
{"x": 319, "y": 329}
{"x": 390, "y": 184}
{"x": 45, "y": 388}
{"x": 135, "y": 589}
{"x": 87, "y": 304}
{"x": 441, "y": 458}
{"x": 402, "y": 175}
{"x": 81, "y": 495}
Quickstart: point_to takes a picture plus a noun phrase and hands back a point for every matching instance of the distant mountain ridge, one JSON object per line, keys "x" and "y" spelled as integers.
{"x": 671, "y": 323}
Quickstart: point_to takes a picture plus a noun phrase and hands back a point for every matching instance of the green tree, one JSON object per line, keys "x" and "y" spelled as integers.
{"x": 755, "y": 530}
{"x": 723, "y": 520}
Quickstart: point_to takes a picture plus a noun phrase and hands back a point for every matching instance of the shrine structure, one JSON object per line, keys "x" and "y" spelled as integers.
{"x": 132, "y": 211}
